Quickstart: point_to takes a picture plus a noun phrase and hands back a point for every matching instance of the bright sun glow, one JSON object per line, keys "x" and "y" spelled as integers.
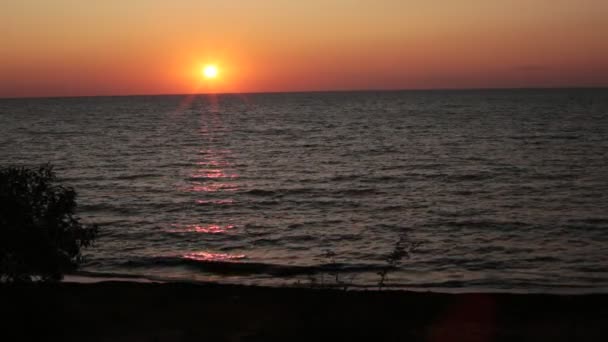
{"x": 210, "y": 71}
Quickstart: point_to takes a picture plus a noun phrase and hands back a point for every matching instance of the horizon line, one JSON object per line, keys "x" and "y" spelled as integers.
{"x": 360, "y": 90}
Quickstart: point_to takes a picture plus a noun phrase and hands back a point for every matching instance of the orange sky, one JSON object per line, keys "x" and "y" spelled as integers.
{"x": 71, "y": 48}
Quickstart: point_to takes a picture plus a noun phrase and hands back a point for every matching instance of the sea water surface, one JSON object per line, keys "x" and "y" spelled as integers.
{"x": 499, "y": 189}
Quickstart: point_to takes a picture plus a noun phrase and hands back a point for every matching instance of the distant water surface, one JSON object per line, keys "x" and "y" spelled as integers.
{"x": 503, "y": 189}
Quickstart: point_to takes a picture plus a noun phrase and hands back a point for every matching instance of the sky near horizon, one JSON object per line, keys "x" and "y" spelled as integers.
{"x": 113, "y": 47}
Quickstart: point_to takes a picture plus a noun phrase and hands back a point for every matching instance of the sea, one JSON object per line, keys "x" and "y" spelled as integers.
{"x": 444, "y": 190}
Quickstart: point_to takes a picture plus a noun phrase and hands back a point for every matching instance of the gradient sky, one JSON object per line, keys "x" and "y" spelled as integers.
{"x": 71, "y": 48}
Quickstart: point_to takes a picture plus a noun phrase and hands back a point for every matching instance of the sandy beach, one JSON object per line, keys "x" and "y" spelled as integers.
{"x": 129, "y": 311}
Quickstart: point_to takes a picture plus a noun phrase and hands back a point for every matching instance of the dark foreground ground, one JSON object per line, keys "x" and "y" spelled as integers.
{"x": 115, "y": 311}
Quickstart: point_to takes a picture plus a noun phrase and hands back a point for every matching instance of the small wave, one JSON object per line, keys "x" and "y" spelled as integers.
{"x": 283, "y": 192}
{"x": 469, "y": 177}
{"x": 81, "y": 178}
{"x": 138, "y": 176}
{"x": 212, "y": 257}
{"x": 488, "y": 224}
{"x": 92, "y": 208}
{"x": 391, "y": 208}
{"x": 358, "y": 192}
{"x": 222, "y": 263}
{"x": 543, "y": 259}
{"x": 382, "y": 179}
{"x": 343, "y": 178}
{"x": 216, "y": 187}
{"x": 260, "y": 192}
{"x": 553, "y": 176}
{"x": 208, "y": 229}
{"x": 209, "y": 175}
{"x": 215, "y": 202}
{"x": 57, "y": 133}
{"x": 594, "y": 221}
{"x": 563, "y": 136}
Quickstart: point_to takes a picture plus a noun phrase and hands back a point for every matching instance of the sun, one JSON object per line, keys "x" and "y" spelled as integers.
{"x": 210, "y": 71}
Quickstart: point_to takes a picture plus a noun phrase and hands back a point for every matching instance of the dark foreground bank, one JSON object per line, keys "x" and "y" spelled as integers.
{"x": 114, "y": 311}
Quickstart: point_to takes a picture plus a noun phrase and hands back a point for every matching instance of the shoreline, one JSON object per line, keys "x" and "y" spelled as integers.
{"x": 135, "y": 311}
{"x": 89, "y": 277}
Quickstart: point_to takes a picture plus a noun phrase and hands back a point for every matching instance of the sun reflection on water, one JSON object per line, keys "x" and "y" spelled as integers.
{"x": 198, "y": 187}
{"x": 215, "y": 202}
{"x": 207, "y": 256}
{"x": 208, "y": 229}
{"x": 211, "y": 182}
{"x": 211, "y": 173}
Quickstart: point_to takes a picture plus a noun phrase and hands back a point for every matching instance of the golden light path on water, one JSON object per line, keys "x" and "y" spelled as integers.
{"x": 207, "y": 256}
{"x": 208, "y": 229}
{"x": 210, "y": 176}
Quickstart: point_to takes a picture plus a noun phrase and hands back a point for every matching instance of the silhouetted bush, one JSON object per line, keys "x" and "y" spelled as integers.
{"x": 40, "y": 237}
{"x": 403, "y": 249}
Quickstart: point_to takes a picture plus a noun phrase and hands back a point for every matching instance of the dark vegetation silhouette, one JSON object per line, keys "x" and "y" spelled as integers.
{"x": 403, "y": 248}
{"x": 40, "y": 236}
